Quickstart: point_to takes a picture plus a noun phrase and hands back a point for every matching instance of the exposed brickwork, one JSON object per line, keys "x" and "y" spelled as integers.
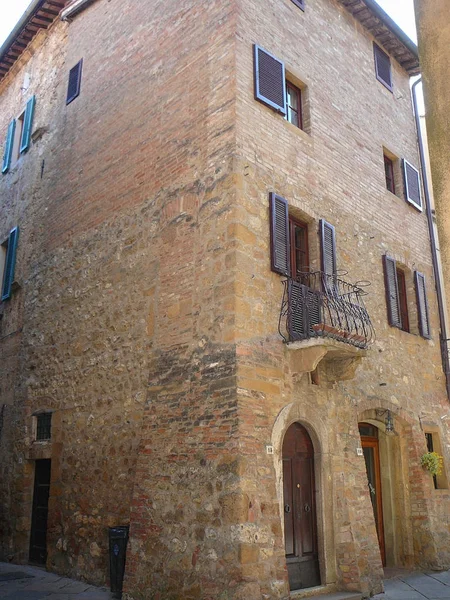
{"x": 147, "y": 314}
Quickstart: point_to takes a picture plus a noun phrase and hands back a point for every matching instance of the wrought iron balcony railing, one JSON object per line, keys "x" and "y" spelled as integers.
{"x": 321, "y": 305}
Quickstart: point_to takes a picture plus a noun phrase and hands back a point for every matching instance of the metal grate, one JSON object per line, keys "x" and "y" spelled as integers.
{"x": 44, "y": 426}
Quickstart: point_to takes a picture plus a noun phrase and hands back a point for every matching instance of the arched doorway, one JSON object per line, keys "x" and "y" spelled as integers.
{"x": 371, "y": 451}
{"x": 299, "y": 501}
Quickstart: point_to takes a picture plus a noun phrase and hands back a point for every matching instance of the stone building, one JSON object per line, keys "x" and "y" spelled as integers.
{"x": 218, "y": 316}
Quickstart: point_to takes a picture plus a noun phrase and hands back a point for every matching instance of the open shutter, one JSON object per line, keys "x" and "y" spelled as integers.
{"x": 279, "y": 235}
{"x": 422, "y": 305}
{"x": 392, "y": 295}
{"x": 327, "y": 248}
{"x": 10, "y": 263}
{"x": 270, "y": 80}
{"x": 27, "y": 125}
{"x": 73, "y": 89}
{"x": 382, "y": 66}
{"x": 411, "y": 178}
{"x": 9, "y": 146}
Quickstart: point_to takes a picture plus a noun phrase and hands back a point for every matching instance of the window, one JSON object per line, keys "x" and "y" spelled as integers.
{"x": 73, "y": 88}
{"x": 389, "y": 174}
{"x": 298, "y": 234}
{"x": 400, "y": 298}
{"x": 8, "y": 262}
{"x": 433, "y": 443}
{"x": 299, "y": 3}
{"x": 18, "y": 137}
{"x": 382, "y": 67}
{"x": 43, "y": 426}
{"x": 293, "y": 105}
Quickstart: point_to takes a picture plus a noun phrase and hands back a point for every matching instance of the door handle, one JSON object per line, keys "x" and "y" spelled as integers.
{"x": 287, "y": 508}
{"x": 307, "y": 508}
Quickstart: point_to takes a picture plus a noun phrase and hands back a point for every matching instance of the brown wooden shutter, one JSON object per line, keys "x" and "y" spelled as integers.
{"x": 270, "y": 80}
{"x": 382, "y": 66}
{"x": 327, "y": 248}
{"x": 279, "y": 235}
{"x": 392, "y": 295}
{"x": 422, "y": 305}
{"x": 411, "y": 178}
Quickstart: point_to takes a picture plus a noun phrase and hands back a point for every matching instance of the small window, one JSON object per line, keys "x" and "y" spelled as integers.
{"x": 299, "y": 3}
{"x": 367, "y": 430}
{"x": 43, "y": 426}
{"x": 389, "y": 174}
{"x": 403, "y": 300}
{"x": 299, "y": 247}
{"x": 382, "y": 67}
{"x": 434, "y": 445}
{"x": 293, "y": 105}
{"x": 73, "y": 88}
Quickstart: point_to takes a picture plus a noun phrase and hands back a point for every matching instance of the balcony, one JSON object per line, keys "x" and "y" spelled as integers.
{"x": 327, "y": 311}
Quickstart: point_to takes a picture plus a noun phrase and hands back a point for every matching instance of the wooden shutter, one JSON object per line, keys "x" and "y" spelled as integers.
{"x": 327, "y": 248}
{"x": 304, "y": 310}
{"x": 27, "y": 125}
{"x": 279, "y": 235}
{"x": 73, "y": 88}
{"x": 392, "y": 295}
{"x": 10, "y": 263}
{"x": 9, "y": 146}
{"x": 422, "y": 305}
{"x": 270, "y": 80}
{"x": 382, "y": 66}
{"x": 411, "y": 178}
{"x": 299, "y": 3}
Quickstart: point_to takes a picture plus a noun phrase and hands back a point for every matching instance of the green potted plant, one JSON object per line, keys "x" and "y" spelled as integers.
{"x": 432, "y": 462}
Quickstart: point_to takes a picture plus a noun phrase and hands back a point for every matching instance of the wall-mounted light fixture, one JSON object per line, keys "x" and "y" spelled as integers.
{"x": 388, "y": 421}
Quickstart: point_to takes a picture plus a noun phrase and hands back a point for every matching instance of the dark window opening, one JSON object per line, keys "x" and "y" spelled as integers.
{"x": 367, "y": 430}
{"x": 293, "y": 105}
{"x": 430, "y": 448}
{"x": 44, "y": 426}
{"x": 389, "y": 173}
{"x": 298, "y": 233}
{"x": 403, "y": 300}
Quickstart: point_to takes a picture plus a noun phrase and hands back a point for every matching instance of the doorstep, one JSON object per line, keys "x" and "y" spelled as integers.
{"x": 319, "y": 593}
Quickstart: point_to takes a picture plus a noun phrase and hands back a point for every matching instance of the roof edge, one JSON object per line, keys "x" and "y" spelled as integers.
{"x": 32, "y": 8}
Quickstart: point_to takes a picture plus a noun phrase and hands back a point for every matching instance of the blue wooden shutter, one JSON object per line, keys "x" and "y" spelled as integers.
{"x": 9, "y": 146}
{"x": 270, "y": 80}
{"x": 280, "y": 249}
{"x": 73, "y": 88}
{"x": 27, "y": 125}
{"x": 10, "y": 263}
{"x": 422, "y": 305}
{"x": 411, "y": 179}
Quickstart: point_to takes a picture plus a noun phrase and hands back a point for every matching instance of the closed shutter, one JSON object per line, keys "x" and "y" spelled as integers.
{"x": 392, "y": 295}
{"x": 299, "y": 3}
{"x": 328, "y": 248}
{"x": 296, "y": 311}
{"x": 27, "y": 125}
{"x": 9, "y": 146}
{"x": 279, "y": 235}
{"x": 73, "y": 88}
{"x": 411, "y": 178}
{"x": 382, "y": 67}
{"x": 10, "y": 263}
{"x": 422, "y": 305}
{"x": 270, "y": 80}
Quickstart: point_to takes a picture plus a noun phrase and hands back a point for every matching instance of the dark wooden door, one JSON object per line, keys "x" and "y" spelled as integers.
{"x": 38, "y": 538}
{"x": 371, "y": 453}
{"x": 300, "y": 526}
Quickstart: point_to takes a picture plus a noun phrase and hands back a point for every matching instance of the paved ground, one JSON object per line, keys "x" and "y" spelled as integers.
{"x": 20, "y": 582}
{"x": 417, "y": 586}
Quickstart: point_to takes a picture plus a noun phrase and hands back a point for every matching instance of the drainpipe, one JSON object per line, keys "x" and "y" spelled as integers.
{"x": 434, "y": 255}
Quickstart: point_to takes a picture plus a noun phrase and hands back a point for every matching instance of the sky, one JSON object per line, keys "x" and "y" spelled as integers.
{"x": 402, "y": 11}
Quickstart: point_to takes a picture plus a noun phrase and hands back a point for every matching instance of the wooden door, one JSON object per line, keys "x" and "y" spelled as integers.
{"x": 38, "y": 538}
{"x": 370, "y": 446}
{"x": 300, "y": 526}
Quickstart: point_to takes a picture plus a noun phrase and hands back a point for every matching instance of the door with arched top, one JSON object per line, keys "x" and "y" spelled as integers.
{"x": 299, "y": 503}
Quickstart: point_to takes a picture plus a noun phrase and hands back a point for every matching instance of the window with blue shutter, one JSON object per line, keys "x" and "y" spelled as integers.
{"x": 27, "y": 125}
{"x": 73, "y": 88}
{"x": 9, "y": 146}
{"x": 10, "y": 263}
